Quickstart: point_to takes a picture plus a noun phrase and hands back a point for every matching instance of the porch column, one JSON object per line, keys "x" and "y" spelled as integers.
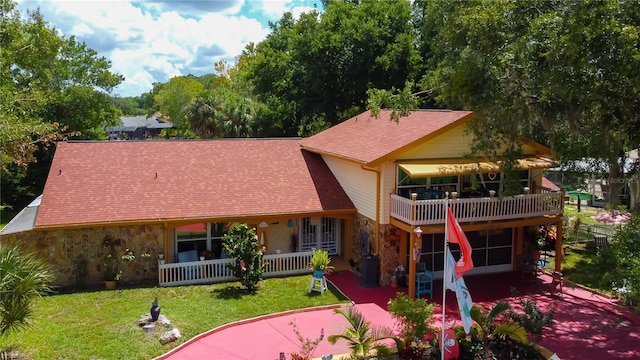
{"x": 415, "y": 244}
{"x": 412, "y": 247}
{"x": 559, "y": 249}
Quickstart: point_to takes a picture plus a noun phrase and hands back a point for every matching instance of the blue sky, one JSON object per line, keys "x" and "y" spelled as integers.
{"x": 153, "y": 41}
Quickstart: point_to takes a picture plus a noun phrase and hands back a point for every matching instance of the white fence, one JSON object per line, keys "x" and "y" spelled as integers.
{"x": 215, "y": 271}
{"x": 427, "y": 212}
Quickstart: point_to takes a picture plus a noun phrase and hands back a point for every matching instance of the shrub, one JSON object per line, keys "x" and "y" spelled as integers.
{"x": 533, "y": 320}
{"x": 23, "y": 277}
{"x": 241, "y": 244}
{"x": 621, "y": 260}
{"x": 414, "y": 318}
{"x": 307, "y": 346}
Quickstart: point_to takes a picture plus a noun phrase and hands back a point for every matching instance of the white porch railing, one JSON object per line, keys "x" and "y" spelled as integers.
{"x": 215, "y": 271}
{"x": 432, "y": 212}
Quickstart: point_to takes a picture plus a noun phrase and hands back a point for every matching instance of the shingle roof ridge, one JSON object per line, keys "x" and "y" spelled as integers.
{"x": 185, "y": 140}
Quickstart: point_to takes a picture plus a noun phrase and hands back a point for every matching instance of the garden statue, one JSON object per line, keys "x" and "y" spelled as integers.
{"x": 155, "y": 310}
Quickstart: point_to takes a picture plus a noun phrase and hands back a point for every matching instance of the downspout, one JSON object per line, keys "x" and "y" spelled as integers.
{"x": 377, "y": 229}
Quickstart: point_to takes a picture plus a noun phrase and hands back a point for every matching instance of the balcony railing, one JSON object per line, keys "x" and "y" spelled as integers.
{"x": 215, "y": 271}
{"x": 432, "y": 212}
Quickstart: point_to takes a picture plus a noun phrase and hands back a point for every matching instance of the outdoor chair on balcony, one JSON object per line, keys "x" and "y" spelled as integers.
{"x": 424, "y": 280}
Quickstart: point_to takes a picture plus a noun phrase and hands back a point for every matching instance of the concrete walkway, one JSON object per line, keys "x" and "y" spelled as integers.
{"x": 266, "y": 337}
{"x": 586, "y": 325}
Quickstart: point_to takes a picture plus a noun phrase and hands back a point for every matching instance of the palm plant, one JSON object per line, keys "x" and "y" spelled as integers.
{"x": 240, "y": 115}
{"x": 490, "y": 327}
{"x": 22, "y": 277}
{"x": 363, "y": 338}
{"x": 203, "y": 117}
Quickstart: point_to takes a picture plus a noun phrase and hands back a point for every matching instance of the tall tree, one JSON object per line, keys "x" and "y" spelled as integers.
{"x": 44, "y": 75}
{"x": 203, "y": 117}
{"x": 560, "y": 72}
{"x": 175, "y": 95}
{"x": 314, "y": 71}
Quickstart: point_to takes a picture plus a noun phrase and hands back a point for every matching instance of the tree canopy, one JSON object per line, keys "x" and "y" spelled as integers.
{"x": 563, "y": 73}
{"x": 51, "y": 88}
{"x": 314, "y": 71}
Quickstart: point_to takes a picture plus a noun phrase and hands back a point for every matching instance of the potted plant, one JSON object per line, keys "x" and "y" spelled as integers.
{"x": 401, "y": 275}
{"x": 112, "y": 270}
{"x": 535, "y": 242}
{"x": 320, "y": 263}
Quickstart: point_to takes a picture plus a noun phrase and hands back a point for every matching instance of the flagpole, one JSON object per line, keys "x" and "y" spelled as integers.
{"x": 444, "y": 275}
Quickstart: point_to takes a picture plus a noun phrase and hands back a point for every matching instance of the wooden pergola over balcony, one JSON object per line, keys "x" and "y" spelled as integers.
{"x": 473, "y": 210}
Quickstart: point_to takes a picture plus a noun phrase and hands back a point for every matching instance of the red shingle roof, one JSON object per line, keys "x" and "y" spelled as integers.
{"x": 548, "y": 184}
{"x": 366, "y": 139}
{"x": 103, "y": 182}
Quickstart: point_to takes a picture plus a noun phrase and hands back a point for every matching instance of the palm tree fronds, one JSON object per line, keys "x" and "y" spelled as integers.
{"x": 512, "y": 330}
{"x": 498, "y": 309}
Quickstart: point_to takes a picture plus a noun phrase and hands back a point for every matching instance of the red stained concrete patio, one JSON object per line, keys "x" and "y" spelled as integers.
{"x": 587, "y": 325}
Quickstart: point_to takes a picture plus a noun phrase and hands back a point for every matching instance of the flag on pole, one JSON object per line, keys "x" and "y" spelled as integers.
{"x": 456, "y": 235}
{"x": 463, "y": 296}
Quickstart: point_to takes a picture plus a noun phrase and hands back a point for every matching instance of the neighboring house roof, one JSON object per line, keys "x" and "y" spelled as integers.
{"x": 366, "y": 139}
{"x": 115, "y": 182}
{"x": 24, "y": 220}
{"x": 132, "y": 123}
{"x": 546, "y": 183}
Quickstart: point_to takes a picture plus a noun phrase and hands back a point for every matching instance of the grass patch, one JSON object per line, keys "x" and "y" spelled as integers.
{"x": 102, "y": 324}
{"x": 578, "y": 266}
{"x": 585, "y": 214}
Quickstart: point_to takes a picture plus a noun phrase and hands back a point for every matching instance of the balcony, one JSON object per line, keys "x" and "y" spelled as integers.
{"x": 472, "y": 210}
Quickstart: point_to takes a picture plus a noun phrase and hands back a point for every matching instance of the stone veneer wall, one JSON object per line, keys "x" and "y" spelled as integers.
{"x": 369, "y": 226}
{"x": 387, "y": 253}
{"x": 64, "y": 250}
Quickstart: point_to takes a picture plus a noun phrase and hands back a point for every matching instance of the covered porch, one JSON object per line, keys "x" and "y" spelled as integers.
{"x": 216, "y": 271}
{"x": 501, "y": 221}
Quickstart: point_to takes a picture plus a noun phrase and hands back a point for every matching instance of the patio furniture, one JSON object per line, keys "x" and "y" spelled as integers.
{"x": 557, "y": 281}
{"x": 192, "y": 272}
{"x": 318, "y": 284}
{"x": 527, "y": 265}
{"x": 601, "y": 242}
{"x": 541, "y": 262}
{"x": 622, "y": 292}
{"x": 424, "y": 280}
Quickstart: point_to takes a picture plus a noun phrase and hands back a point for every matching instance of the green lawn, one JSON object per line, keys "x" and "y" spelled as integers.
{"x": 580, "y": 253}
{"x": 578, "y": 266}
{"x": 585, "y": 214}
{"x": 102, "y": 324}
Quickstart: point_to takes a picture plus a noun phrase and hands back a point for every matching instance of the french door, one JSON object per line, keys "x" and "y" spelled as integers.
{"x": 320, "y": 233}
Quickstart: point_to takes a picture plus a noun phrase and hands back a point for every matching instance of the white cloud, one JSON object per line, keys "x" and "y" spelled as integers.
{"x": 153, "y": 41}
